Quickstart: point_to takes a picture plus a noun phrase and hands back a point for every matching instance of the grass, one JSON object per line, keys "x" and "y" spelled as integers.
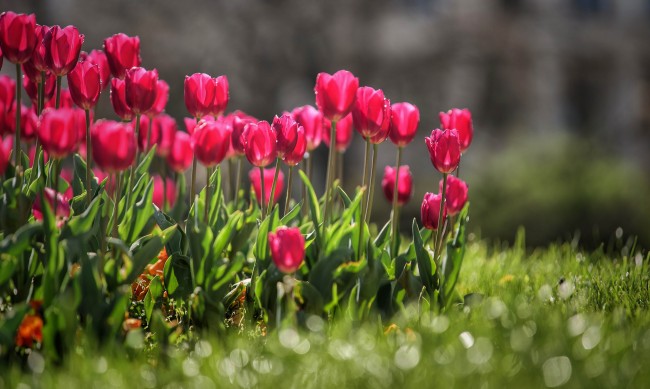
{"x": 553, "y": 317}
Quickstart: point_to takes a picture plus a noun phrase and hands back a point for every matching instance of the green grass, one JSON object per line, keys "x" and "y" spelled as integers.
{"x": 554, "y": 317}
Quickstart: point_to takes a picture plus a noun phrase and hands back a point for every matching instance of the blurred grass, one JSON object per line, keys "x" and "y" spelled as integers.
{"x": 554, "y": 317}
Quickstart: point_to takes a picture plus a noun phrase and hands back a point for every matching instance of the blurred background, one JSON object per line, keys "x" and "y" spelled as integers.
{"x": 559, "y": 91}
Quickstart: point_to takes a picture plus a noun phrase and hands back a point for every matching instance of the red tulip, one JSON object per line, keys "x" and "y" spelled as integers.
{"x": 113, "y": 145}
{"x": 32, "y": 155}
{"x": 64, "y": 102}
{"x": 404, "y": 185}
{"x": 141, "y": 88}
{"x": 163, "y": 130}
{"x": 5, "y": 152}
{"x": 58, "y": 132}
{"x": 28, "y": 122}
{"x": 455, "y": 195}
{"x": 162, "y": 95}
{"x": 287, "y": 248}
{"x": 312, "y": 120}
{"x": 7, "y": 92}
{"x": 221, "y": 95}
{"x": 17, "y": 36}
{"x": 370, "y": 112}
{"x": 405, "y": 118}
{"x": 260, "y": 143}
{"x": 430, "y": 210}
{"x": 62, "y": 48}
{"x": 159, "y": 187}
{"x": 180, "y": 155}
{"x": 335, "y": 94}
{"x": 444, "y": 150}
{"x": 36, "y": 63}
{"x": 62, "y": 206}
{"x": 286, "y": 133}
{"x": 239, "y": 122}
{"x": 382, "y": 134}
{"x": 296, "y": 155}
{"x": 98, "y": 58}
{"x": 269, "y": 174}
{"x": 118, "y": 99}
{"x": 200, "y": 91}
{"x": 461, "y": 121}
{"x": 122, "y": 53}
{"x": 31, "y": 86}
{"x": 210, "y": 142}
{"x": 343, "y": 133}
{"x": 85, "y": 84}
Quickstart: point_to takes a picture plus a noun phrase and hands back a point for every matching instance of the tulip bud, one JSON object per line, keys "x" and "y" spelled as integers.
{"x": 36, "y": 63}
{"x": 180, "y": 155}
{"x": 141, "y": 88}
{"x": 62, "y": 48}
{"x": 98, "y": 58}
{"x": 118, "y": 100}
{"x": 210, "y": 142}
{"x": 269, "y": 174}
{"x": 286, "y": 132}
{"x": 461, "y": 121}
{"x": 113, "y": 145}
{"x": 296, "y": 155}
{"x": 430, "y": 210}
{"x": 17, "y": 36}
{"x": 200, "y": 91}
{"x": 159, "y": 187}
{"x": 336, "y": 94}
{"x": 58, "y": 132}
{"x": 455, "y": 195}
{"x": 383, "y": 132}
{"x": 312, "y": 121}
{"x": 85, "y": 84}
{"x": 238, "y": 123}
{"x": 405, "y": 118}
{"x": 5, "y": 152}
{"x": 370, "y": 112}
{"x": 221, "y": 95}
{"x": 343, "y": 133}
{"x": 404, "y": 185}
{"x": 287, "y": 248}
{"x": 62, "y": 207}
{"x": 122, "y": 53}
{"x": 260, "y": 143}
{"x": 162, "y": 95}
{"x": 444, "y": 150}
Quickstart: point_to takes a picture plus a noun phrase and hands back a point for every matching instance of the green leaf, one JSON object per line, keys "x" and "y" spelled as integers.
{"x": 262, "y": 252}
{"x": 178, "y": 242}
{"x": 7, "y": 267}
{"x": 425, "y": 264}
{"x": 227, "y": 233}
{"x": 313, "y": 203}
{"x": 149, "y": 247}
{"x": 143, "y": 167}
{"x": 21, "y": 241}
{"x": 81, "y": 224}
{"x": 10, "y": 323}
{"x": 292, "y": 214}
{"x": 178, "y": 277}
{"x": 454, "y": 258}
{"x": 136, "y": 218}
{"x": 309, "y": 297}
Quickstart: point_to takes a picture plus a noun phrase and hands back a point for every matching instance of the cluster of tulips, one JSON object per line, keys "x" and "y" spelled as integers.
{"x": 60, "y": 122}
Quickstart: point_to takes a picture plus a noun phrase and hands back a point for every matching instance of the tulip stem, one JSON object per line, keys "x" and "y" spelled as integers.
{"x": 362, "y": 218}
{"x": 164, "y": 180}
{"x": 275, "y": 181}
{"x": 131, "y": 181}
{"x": 56, "y": 163}
{"x": 394, "y": 222}
{"x": 89, "y": 159}
{"x": 41, "y": 95}
{"x": 149, "y": 131}
{"x": 288, "y": 197}
{"x": 371, "y": 179}
{"x": 307, "y": 169}
{"x": 237, "y": 180}
{"x": 229, "y": 181}
{"x": 193, "y": 184}
{"x": 116, "y": 199}
{"x": 58, "y": 92}
{"x": 262, "y": 194}
{"x": 17, "y": 150}
{"x": 437, "y": 248}
{"x": 330, "y": 174}
{"x": 208, "y": 193}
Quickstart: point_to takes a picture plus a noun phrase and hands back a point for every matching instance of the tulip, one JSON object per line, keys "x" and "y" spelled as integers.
{"x": 32, "y": 156}
{"x": 200, "y": 91}
{"x": 343, "y": 133}
{"x": 287, "y": 248}
{"x": 260, "y": 186}
{"x": 140, "y": 86}
{"x": 65, "y": 100}
{"x": 430, "y": 210}
{"x": 36, "y": 65}
{"x": 17, "y": 36}
{"x": 62, "y": 48}
{"x": 456, "y": 195}
{"x": 180, "y": 154}
{"x": 405, "y": 118}
{"x": 118, "y": 100}
{"x": 444, "y": 150}
{"x": 98, "y": 58}
{"x": 162, "y": 95}
{"x": 312, "y": 120}
{"x": 32, "y": 85}
{"x": 260, "y": 143}
{"x": 122, "y": 53}
{"x": 461, "y": 121}
{"x": 7, "y": 92}
{"x": 5, "y": 152}
{"x": 371, "y": 111}
{"x": 286, "y": 132}
{"x": 164, "y": 192}
{"x": 210, "y": 142}
{"x": 221, "y": 96}
{"x": 59, "y": 204}
{"x": 113, "y": 145}
{"x": 84, "y": 83}
{"x": 163, "y": 130}
{"x": 404, "y": 184}
{"x": 336, "y": 94}
{"x": 58, "y": 132}
{"x": 292, "y": 159}
{"x": 28, "y": 122}
{"x": 190, "y": 124}
{"x": 239, "y": 122}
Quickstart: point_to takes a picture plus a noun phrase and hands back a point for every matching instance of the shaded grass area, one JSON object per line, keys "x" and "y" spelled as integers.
{"x": 553, "y": 317}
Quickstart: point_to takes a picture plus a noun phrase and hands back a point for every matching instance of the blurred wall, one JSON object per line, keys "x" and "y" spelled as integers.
{"x": 563, "y": 74}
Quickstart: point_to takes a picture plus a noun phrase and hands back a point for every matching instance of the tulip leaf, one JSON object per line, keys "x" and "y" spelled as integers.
{"x": 454, "y": 258}
{"x": 344, "y": 196}
{"x": 292, "y": 214}
{"x": 309, "y": 297}
{"x": 262, "y": 253}
{"x": 178, "y": 242}
{"x": 7, "y": 268}
{"x": 15, "y": 244}
{"x": 178, "y": 277}
{"x": 179, "y": 209}
{"x": 143, "y": 166}
{"x": 313, "y": 203}
{"x": 216, "y": 198}
{"x": 82, "y": 224}
{"x": 227, "y": 233}
{"x": 10, "y": 323}
{"x": 383, "y": 236}
{"x": 137, "y": 218}
{"x": 425, "y": 264}
{"x": 148, "y": 248}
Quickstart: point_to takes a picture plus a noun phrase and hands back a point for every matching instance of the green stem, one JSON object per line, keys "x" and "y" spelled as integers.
{"x": 116, "y": 199}
{"x": 437, "y": 249}
{"x": 365, "y": 199}
{"x": 193, "y": 183}
{"x": 275, "y": 181}
{"x": 58, "y": 92}
{"x": 262, "y": 194}
{"x": 394, "y": 214}
{"x": 237, "y": 181}
{"x": 288, "y": 197}
{"x": 131, "y": 183}
{"x": 56, "y": 163}
{"x": 330, "y": 174}
{"x": 41, "y": 95}
{"x": 89, "y": 160}
{"x": 372, "y": 181}
{"x": 149, "y": 131}
{"x": 17, "y": 149}
{"x": 208, "y": 193}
